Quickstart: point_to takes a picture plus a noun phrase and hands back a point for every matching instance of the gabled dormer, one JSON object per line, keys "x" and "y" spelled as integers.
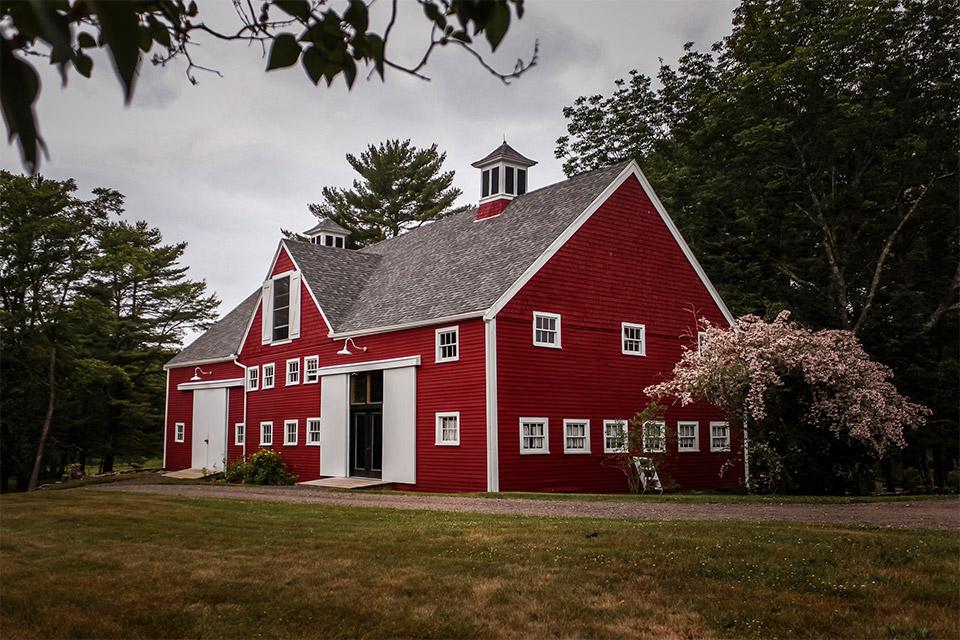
{"x": 328, "y": 233}
{"x": 503, "y": 176}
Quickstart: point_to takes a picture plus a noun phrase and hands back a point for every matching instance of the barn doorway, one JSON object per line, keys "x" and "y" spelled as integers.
{"x": 366, "y": 424}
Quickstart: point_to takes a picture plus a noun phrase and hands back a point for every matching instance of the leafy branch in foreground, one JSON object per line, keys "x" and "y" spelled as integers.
{"x": 327, "y": 42}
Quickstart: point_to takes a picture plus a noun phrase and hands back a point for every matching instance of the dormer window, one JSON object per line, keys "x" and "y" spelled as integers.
{"x": 281, "y": 308}
{"x": 280, "y": 302}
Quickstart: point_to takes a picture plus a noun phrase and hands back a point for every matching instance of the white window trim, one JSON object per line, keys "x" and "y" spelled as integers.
{"x": 625, "y": 426}
{"x": 696, "y": 436}
{"x": 623, "y": 338}
{"x": 179, "y": 432}
{"x": 546, "y": 437}
{"x": 253, "y": 384}
{"x": 287, "y": 382}
{"x": 296, "y": 433}
{"x": 663, "y": 430}
{"x": 587, "y": 446}
{"x": 239, "y": 428}
{"x": 456, "y": 332}
{"x": 545, "y": 314}
{"x": 303, "y": 372}
{"x": 273, "y": 377}
{"x": 268, "y": 425}
{"x": 307, "y": 435}
{"x": 700, "y": 336}
{"x": 719, "y": 423}
{"x": 440, "y": 442}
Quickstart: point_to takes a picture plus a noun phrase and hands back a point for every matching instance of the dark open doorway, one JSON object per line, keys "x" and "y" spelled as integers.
{"x": 366, "y": 424}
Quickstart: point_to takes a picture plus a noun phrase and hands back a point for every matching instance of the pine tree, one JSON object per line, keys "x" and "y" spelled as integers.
{"x": 400, "y": 188}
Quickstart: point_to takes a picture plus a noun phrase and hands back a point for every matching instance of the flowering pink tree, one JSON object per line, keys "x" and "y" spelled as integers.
{"x": 809, "y": 397}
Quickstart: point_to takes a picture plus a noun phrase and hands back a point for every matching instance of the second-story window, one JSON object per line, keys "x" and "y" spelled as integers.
{"x": 546, "y": 329}
{"x": 293, "y": 371}
{"x": 448, "y": 344}
{"x": 281, "y": 308}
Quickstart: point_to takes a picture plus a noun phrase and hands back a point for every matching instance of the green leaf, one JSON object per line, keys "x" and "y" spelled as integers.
{"x": 159, "y": 31}
{"x": 83, "y": 64}
{"x": 86, "y": 41}
{"x": 284, "y": 52}
{"x": 435, "y": 15}
{"x": 461, "y": 36}
{"x": 296, "y": 8}
{"x": 313, "y": 63}
{"x": 119, "y": 30}
{"x": 19, "y": 88}
{"x": 356, "y": 16}
{"x": 497, "y": 24}
{"x": 349, "y": 72}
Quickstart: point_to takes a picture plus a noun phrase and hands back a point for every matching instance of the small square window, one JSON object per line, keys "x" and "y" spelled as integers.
{"x": 719, "y": 436}
{"x": 688, "y": 436}
{"x": 311, "y": 369}
{"x": 289, "y": 432}
{"x": 313, "y": 431}
{"x": 268, "y": 376}
{"x": 655, "y": 436}
{"x": 253, "y": 378}
{"x": 534, "y": 435}
{"x": 266, "y": 434}
{"x": 179, "y": 432}
{"x": 448, "y": 429}
{"x": 546, "y": 329}
{"x": 448, "y": 344}
{"x": 239, "y": 433}
{"x": 633, "y": 339}
{"x": 615, "y": 436}
{"x": 576, "y": 436}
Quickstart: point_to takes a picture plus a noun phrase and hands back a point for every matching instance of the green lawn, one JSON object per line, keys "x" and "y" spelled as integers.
{"x": 87, "y": 564}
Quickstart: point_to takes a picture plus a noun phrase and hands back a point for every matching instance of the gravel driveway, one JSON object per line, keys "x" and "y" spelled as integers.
{"x": 921, "y": 514}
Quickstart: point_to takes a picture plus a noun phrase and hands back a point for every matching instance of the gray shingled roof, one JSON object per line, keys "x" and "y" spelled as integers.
{"x": 446, "y": 268}
{"x": 505, "y": 152}
{"x": 326, "y": 225}
{"x": 222, "y": 340}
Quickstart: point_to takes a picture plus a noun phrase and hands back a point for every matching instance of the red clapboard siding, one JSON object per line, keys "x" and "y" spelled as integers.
{"x": 455, "y": 386}
{"x": 180, "y": 409}
{"x": 623, "y": 265}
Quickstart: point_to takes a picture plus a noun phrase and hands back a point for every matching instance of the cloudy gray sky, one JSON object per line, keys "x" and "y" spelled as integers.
{"x": 226, "y": 163}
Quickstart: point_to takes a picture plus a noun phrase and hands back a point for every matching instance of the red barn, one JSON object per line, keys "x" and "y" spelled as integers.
{"x": 500, "y": 349}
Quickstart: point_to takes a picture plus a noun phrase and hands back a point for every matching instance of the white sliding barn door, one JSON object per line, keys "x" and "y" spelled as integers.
{"x": 209, "y": 443}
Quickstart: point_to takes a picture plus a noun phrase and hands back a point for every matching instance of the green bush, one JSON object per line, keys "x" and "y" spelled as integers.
{"x": 264, "y": 467}
{"x": 953, "y": 481}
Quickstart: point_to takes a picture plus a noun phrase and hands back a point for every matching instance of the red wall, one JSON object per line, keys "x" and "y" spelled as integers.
{"x": 180, "y": 409}
{"x": 623, "y": 265}
{"x": 453, "y": 386}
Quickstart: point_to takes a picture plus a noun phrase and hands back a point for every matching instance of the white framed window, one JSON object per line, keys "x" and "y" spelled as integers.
{"x": 179, "y": 432}
{"x": 266, "y": 434}
{"x": 688, "y": 436}
{"x": 253, "y": 378}
{"x": 311, "y": 369}
{"x": 239, "y": 433}
{"x": 290, "y": 432}
{"x": 546, "y": 329}
{"x": 313, "y": 431}
{"x": 576, "y": 436}
{"x": 633, "y": 339}
{"x": 655, "y": 436}
{"x": 293, "y": 371}
{"x": 615, "y": 438}
{"x": 448, "y": 429}
{"x": 534, "y": 435}
{"x": 280, "y": 308}
{"x": 701, "y": 336}
{"x": 719, "y": 436}
{"x": 448, "y": 344}
{"x": 268, "y": 375}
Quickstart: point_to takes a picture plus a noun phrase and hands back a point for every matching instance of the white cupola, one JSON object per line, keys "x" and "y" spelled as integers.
{"x": 503, "y": 176}
{"x": 328, "y": 233}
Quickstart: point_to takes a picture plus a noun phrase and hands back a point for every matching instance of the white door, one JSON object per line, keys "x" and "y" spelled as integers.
{"x": 209, "y": 429}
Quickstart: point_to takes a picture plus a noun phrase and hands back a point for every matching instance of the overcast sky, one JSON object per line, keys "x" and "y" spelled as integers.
{"x": 226, "y": 163}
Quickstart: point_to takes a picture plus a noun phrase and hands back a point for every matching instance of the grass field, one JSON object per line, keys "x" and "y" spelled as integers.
{"x": 87, "y": 564}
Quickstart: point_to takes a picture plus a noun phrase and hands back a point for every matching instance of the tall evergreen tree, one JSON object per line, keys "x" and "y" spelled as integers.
{"x": 810, "y": 159}
{"x": 400, "y": 188}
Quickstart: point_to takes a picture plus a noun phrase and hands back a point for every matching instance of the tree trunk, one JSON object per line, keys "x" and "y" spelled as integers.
{"x": 51, "y": 384}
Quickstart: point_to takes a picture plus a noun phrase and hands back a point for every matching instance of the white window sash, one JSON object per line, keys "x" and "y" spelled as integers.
{"x": 306, "y": 375}
{"x": 624, "y": 445}
{"x": 311, "y": 423}
{"x": 545, "y": 424}
{"x": 293, "y": 368}
{"x": 179, "y": 432}
{"x": 659, "y": 436}
{"x": 681, "y": 436}
{"x": 239, "y": 434}
{"x": 567, "y": 423}
{"x": 628, "y": 332}
{"x": 287, "y": 440}
{"x": 253, "y": 378}
{"x": 272, "y": 368}
{"x": 266, "y": 434}
{"x": 555, "y": 331}
{"x": 454, "y": 346}
{"x": 441, "y": 441}
{"x": 726, "y": 437}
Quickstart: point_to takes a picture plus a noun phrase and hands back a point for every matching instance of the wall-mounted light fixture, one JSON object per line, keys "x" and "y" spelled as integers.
{"x": 346, "y": 351}
{"x": 196, "y": 374}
